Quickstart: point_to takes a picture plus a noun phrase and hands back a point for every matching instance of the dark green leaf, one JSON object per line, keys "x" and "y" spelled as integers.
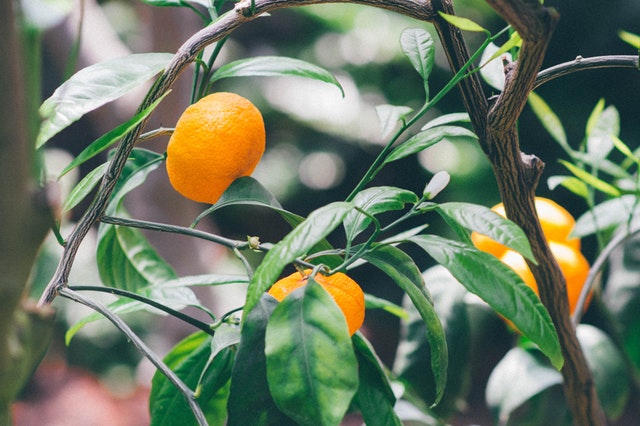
{"x": 607, "y": 215}
{"x": 404, "y": 272}
{"x": 294, "y": 245}
{"x": 274, "y": 66}
{"x": 517, "y": 378}
{"x": 188, "y": 359}
{"x": 484, "y": 221}
{"x": 95, "y": 86}
{"x": 374, "y": 398}
{"x": 126, "y": 259}
{"x": 374, "y": 201}
{"x": 311, "y": 366}
{"x": 413, "y": 355}
{"x": 498, "y": 285}
{"x": 84, "y": 187}
{"x": 417, "y": 45}
{"x": 430, "y": 137}
{"x": 250, "y": 402}
{"x": 389, "y": 117}
{"x": 607, "y": 367}
{"x": 111, "y": 137}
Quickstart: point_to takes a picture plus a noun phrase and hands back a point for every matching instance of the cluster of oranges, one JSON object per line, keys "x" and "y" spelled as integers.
{"x": 557, "y": 224}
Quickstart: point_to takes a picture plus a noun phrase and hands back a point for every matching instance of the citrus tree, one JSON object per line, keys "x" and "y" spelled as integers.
{"x": 292, "y": 354}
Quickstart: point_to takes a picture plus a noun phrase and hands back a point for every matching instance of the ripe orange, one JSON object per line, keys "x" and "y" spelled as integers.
{"x": 216, "y": 140}
{"x": 573, "y": 265}
{"x": 346, "y": 292}
{"x": 557, "y": 224}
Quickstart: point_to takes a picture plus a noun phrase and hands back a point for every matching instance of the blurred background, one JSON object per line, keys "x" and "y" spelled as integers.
{"x": 319, "y": 144}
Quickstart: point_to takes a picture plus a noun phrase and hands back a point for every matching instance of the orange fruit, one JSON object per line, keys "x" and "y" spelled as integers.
{"x": 345, "y": 292}
{"x": 216, "y": 140}
{"x": 557, "y": 224}
{"x": 573, "y": 265}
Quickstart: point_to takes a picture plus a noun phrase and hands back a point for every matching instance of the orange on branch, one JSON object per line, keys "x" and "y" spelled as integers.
{"x": 345, "y": 292}
{"x": 216, "y": 140}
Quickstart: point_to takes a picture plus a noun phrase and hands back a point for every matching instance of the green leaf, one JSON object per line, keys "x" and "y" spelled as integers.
{"x": 188, "y": 359}
{"x": 625, "y": 150}
{"x": 275, "y": 66}
{"x": 498, "y": 285}
{"x": 243, "y": 191}
{"x": 591, "y": 180}
{"x": 126, "y": 259}
{"x": 95, "y": 86}
{"x": 632, "y": 39}
{"x": 84, "y": 187}
{"x": 141, "y": 162}
{"x": 487, "y": 222}
{"x": 374, "y": 397}
{"x": 311, "y": 366}
{"x": 412, "y": 356}
{"x": 571, "y": 183}
{"x": 404, "y": 272}
{"x": 594, "y": 116}
{"x": 250, "y": 402}
{"x": 294, "y": 245}
{"x": 492, "y": 68}
{"x": 374, "y": 201}
{"x": 111, "y": 137}
{"x": 172, "y": 294}
{"x": 607, "y": 215}
{"x": 430, "y": 137}
{"x": 464, "y": 24}
{"x": 608, "y": 369}
{"x": 517, "y": 378}
{"x": 389, "y": 117}
{"x": 454, "y": 117}
{"x": 602, "y": 128}
{"x": 373, "y": 302}
{"x": 417, "y": 45}
{"x": 549, "y": 120}
{"x": 514, "y": 41}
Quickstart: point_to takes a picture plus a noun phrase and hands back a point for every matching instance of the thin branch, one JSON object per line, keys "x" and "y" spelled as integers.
{"x": 163, "y": 227}
{"x": 138, "y": 343}
{"x": 585, "y": 64}
{"x": 128, "y": 294}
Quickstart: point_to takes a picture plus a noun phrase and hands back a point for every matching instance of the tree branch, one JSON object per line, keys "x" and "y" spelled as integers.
{"x": 585, "y": 64}
{"x": 517, "y": 175}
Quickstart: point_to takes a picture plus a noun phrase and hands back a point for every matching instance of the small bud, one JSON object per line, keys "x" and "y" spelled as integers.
{"x": 254, "y": 242}
{"x": 437, "y": 183}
